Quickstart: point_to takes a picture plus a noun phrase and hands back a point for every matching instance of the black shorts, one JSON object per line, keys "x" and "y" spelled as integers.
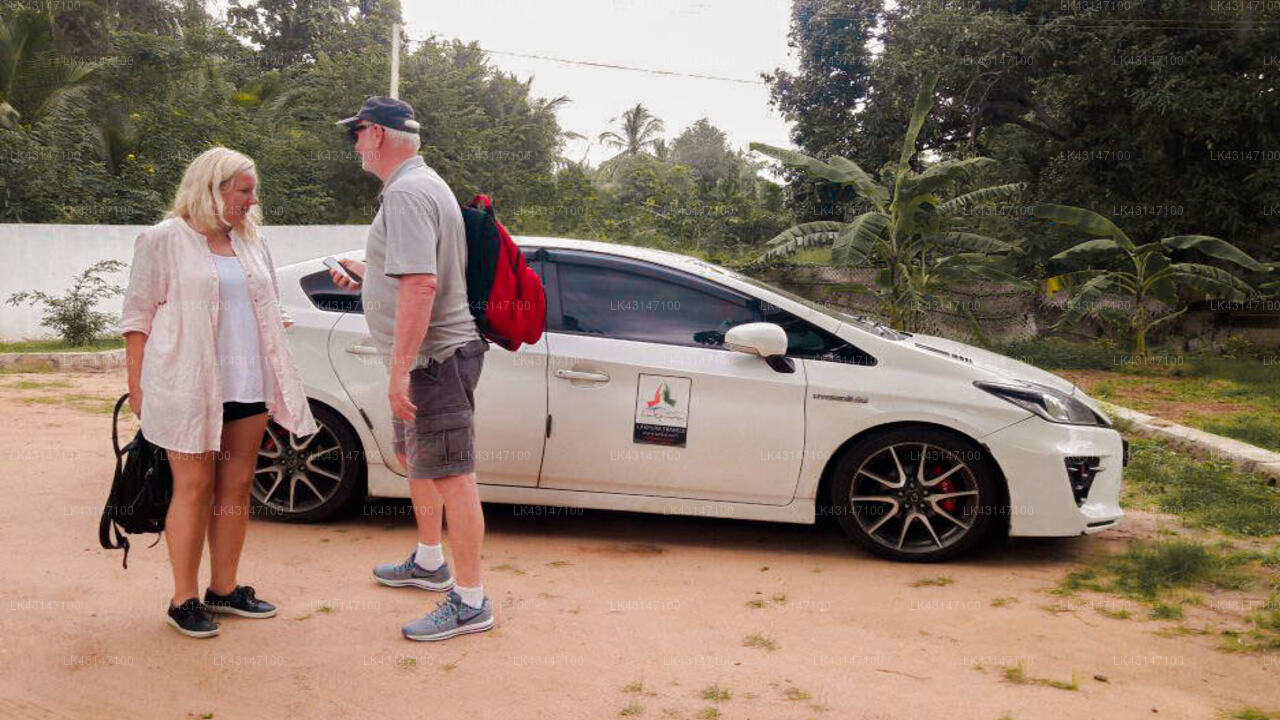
{"x": 239, "y": 410}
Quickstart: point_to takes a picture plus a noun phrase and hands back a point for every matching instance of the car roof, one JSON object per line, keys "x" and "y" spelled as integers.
{"x": 661, "y": 257}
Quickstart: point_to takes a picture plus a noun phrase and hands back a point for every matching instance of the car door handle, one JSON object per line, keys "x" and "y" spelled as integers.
{"x": 362, "y": 350}
{"x": 582, "y": 376}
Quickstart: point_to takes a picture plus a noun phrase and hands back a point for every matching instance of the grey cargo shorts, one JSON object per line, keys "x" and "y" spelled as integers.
{"x": 441, "y": 439}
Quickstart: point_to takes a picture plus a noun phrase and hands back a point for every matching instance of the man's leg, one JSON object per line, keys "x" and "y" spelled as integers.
{"x": 428, "y": 508}
{"x": 466, "y": 524}
{"x": 425, "y": 568}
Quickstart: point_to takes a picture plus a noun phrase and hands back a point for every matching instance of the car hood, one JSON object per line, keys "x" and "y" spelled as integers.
{"x": 1000, "y": 365}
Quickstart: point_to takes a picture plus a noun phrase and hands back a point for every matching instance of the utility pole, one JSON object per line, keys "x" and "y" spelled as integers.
{"x": 395, "y": 61}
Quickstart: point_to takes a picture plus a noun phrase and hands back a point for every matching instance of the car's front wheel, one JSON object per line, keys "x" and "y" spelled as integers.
{"x": 916, "y": 494}
{"x": 311, "y": 478}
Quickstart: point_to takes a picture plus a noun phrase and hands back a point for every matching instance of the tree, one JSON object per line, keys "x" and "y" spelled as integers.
{"x": 34, "y": 81}
{"x": 918, "y": 243}
{"x": 704, "y": 148}
{"x": 823, "y": 96}
{"x": 1156, "y": 111}
{"x": 639, "y": 131}
{"x": 1153, "y": 275}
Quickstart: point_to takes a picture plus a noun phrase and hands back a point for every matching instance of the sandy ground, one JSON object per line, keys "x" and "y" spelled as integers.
{"x": 599, "y": 614}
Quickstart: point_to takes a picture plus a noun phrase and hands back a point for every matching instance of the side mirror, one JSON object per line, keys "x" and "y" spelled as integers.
{"x": 759, "y": 338}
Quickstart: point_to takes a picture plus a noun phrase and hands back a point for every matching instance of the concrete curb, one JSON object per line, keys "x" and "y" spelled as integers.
{"x": 1244, "y": 456}
{"x": 103, "y": 361}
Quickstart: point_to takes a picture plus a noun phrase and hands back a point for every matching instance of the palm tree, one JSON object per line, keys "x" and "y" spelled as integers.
{"x": 1153, "y": 276}
{"x": 640, "y": 131}
{"x": 33, "y": 81}
{"x": 919, "y": 244}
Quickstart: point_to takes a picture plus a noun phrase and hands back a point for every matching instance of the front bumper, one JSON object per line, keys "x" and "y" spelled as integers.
{"x": 1032, "y": 455}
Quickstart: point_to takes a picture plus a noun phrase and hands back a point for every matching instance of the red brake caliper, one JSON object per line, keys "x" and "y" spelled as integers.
{"x": 944, "y": 487}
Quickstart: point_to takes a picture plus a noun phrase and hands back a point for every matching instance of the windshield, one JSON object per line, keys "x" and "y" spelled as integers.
{"x": 862, "y": 322}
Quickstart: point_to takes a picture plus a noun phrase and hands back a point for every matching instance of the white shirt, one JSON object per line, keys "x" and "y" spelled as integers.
{"x": 172, "y": 298}
{"x": 239, "y": 347}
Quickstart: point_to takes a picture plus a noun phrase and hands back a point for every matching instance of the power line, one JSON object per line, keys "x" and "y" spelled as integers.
{"x": 630, "y": 68}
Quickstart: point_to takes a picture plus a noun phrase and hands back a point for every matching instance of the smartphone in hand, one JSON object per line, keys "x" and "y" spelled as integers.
{"x": 342, "y": 271}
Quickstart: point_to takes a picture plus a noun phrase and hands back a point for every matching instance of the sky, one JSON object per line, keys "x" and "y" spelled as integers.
{"x": 736, "y": 39}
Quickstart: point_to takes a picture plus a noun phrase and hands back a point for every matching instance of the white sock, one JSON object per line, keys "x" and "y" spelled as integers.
{"x": 429, "y": 557}
{"x": 473, "y": 597}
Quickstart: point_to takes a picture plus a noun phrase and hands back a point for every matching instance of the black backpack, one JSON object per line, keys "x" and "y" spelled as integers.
{"x": 140, "y": 492}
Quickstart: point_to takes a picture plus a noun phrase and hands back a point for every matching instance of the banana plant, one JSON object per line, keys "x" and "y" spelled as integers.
{"x": 1153, "y": 275}
{"x": 34, "y": 82}
{"x": 919, "y": 243}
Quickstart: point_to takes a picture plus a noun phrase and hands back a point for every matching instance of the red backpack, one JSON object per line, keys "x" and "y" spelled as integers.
{"x": 505, "y": 295}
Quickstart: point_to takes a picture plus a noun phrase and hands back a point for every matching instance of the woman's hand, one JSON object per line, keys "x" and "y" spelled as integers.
{"x": 135, "y": 402}
{"x": 355, "y": 266}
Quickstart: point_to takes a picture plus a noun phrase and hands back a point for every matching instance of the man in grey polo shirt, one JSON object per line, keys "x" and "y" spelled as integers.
{"x": 415, "y": 301}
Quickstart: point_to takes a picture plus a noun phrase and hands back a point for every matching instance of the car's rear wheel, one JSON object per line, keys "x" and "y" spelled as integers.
{"x": 311, "y": 478}
{"x": 916, "y": 494}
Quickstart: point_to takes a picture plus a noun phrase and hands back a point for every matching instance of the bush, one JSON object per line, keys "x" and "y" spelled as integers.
{"x": 72, "y": 315}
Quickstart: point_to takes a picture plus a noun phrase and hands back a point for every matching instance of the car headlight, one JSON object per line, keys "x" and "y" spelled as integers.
{"x": 1050, "y": 404}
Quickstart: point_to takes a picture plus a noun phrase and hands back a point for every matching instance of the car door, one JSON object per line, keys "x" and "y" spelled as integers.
{"x": 511, "y": 402}
{"x": 644, "y": 399}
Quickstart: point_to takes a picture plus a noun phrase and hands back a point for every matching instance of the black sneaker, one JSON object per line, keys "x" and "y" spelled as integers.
{"x": 192, "y": 619}
{"x": 240, "y": 601}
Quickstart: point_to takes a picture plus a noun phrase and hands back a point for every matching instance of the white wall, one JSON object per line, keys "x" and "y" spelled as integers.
{"x": 47, "y": 257}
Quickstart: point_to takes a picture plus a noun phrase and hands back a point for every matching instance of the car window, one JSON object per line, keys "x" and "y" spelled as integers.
{"x": 618, "y": 303}
{"x": 806, "y": 340}
{"x": 325, "y": 295}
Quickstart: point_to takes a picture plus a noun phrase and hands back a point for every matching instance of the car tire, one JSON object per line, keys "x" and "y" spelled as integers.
{"x": 916, "y": 494}
{"x": 309, "y": 479}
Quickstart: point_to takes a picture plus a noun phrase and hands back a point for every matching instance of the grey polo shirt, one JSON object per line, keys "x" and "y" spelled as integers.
{"x": 418, "y": 230}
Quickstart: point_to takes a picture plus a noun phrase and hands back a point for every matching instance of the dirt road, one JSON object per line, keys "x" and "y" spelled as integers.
{"x": 600, "y": 614}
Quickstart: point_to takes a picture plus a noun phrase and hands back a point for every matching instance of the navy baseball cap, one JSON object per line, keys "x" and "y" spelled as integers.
{"x": 385, "y": 111}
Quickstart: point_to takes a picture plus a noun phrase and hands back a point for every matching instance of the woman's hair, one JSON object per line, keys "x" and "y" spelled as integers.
{"x": 199, "y": 196}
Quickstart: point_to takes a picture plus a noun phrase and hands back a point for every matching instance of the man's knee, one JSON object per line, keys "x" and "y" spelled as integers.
{"x": 451, "y": 484}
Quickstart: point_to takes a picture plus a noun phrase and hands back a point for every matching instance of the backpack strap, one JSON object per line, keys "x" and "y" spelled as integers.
{"x": 107, "y": 523}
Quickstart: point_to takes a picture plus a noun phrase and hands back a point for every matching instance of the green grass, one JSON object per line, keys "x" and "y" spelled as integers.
{"x": 715, "y": 693}
{"x": 756, "y": 640}
{"x": 35, "y": 385}
{"x": 1003, "y": 601}
{"x": 1204, "y": 492}
{"x": 1253, "y": 428}
{"x": 631, "y": 710}
{"x": 1145, "y": 570}
{"x": 59, "y": 345}
{"x": 939, "y": 581}
{"x": 1252, "y": 713}
{"x": 1017, "y": 675}
{"x": 794, "y": 693}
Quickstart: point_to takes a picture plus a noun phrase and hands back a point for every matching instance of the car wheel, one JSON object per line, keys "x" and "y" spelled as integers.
{"x": 311, "y": 478}
{"x": 916, "y": 494}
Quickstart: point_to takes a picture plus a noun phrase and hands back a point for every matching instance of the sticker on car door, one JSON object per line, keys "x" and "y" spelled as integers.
{"x": 662, "y": 410}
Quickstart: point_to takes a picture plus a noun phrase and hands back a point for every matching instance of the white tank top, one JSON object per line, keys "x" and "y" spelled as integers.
{"x": 240, "y": 362}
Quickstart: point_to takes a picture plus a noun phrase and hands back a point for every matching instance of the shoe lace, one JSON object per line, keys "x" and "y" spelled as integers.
{"x": 247, "y": 593}
{"x": 445, "y": 610}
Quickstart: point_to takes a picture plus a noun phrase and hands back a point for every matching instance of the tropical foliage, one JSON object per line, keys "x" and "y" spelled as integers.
{"x": 919, "y": 244}
{"x": 1148, "y": 274}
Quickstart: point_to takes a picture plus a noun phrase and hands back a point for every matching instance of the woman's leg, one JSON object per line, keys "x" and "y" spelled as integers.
{"x": 184, "y": 525}
{"x": 241, "y": 440}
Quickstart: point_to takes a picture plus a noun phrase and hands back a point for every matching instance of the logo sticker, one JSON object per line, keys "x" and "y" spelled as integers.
{"x": 662, "y": 410}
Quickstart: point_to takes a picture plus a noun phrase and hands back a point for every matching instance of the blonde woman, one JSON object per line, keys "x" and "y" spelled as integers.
{"x": 208, "y": 363}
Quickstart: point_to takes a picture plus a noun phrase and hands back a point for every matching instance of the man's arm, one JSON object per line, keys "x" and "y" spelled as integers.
{"x": 414, "y": 300}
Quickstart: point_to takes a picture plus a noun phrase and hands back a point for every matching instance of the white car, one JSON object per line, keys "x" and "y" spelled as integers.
{"x": 666, "y": 384}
